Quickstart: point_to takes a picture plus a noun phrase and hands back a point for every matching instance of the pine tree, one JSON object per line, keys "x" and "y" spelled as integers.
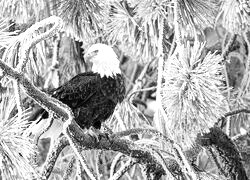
{"x": 186, "y": 64}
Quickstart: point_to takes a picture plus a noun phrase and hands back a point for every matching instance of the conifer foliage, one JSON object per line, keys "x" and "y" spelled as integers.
{"x": 186, "y": 110}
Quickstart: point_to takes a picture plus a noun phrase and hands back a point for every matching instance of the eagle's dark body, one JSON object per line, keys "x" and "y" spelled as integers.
{"x": 91, "y": 97}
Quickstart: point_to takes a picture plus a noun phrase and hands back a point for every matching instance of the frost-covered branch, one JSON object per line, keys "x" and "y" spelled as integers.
{"x": 231, "y": 113}
{"x": 48, "y": 103}
{"x": 61, "y": 143}
{"x": 38, "y": 38}
{"x": 69, "y": 169}
{"x": 226, "y": 151}
{"x": 123, "y": 170}
{"x": 77, "y": 147}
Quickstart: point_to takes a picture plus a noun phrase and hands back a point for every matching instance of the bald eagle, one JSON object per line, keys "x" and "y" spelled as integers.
{"x": 93, "y": 96}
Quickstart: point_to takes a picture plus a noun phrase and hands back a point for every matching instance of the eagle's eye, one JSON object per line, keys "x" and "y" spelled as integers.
{"x": 88, "y": 56}
{"x": 95, "y": 52}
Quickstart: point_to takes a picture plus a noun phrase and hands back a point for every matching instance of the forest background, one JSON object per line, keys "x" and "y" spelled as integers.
{"x": 185, "y": 115}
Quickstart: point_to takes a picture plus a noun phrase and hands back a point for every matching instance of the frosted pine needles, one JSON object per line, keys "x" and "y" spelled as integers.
{"x": 192, "y": 92}
{"x": 16, "y": 149}
{"x": 234, "y": 15}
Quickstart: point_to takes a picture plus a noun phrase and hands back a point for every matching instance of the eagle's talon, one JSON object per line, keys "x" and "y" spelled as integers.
{"x": 97, "y": 134}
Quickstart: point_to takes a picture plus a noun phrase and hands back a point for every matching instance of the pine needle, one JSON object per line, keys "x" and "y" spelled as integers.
{"x": 21, "y": 10}
{"x": 16, "y": 149}
{"x": 83, "y": 19}
{"x": 5, "y": 37}
{"x": 191, "y": 93}
{"x": 235, "y": 15}
{"x": 196, "y": 15}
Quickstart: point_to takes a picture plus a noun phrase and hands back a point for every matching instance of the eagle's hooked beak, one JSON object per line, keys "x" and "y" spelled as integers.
{"x": 88, "y": 58}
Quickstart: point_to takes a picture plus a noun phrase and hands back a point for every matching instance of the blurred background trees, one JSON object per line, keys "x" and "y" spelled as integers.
{"x": 186, "y": 64}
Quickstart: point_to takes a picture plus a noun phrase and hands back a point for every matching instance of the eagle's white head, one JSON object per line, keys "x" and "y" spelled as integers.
{"x": 103, "y": 59}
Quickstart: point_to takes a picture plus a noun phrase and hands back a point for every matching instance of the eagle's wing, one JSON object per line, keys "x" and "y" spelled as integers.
{"x": 77, "y": 91}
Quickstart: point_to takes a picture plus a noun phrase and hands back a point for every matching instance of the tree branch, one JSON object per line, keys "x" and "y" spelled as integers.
{"x": 48, "y": 103}
{"x": 77, "y": 147}
{"x": 123, "y": 170}
{"x": 69, "y": 170}
{"x": 123, "y": 146}
{"x": 231, "y": 113}
{"x": 52, "y": 157}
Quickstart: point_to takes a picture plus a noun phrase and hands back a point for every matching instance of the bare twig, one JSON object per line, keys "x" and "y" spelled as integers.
{"x": 98, "y": 164}
{"x": 158, "y": 156}
{"x": 79, "y": 170}
{"x": 172, "y": 48}
{"x": 237, "y": 112}
{"x": 77, "y": 149}
{"x": 140, "y": 90}
{"x": 183, "y": 162}
{"x": 69, "y": 170}
{"x": 215, "y": 161}
{"x": 17, "y": 90}
{"x": 231, "y": 113}
{"x": 123, "y": 170}
{"x": 226, "y": 49}
{"x": 138, "y": 83}
{"x": 159, "y": 122}
{"x": 133, "y": 74}
{"x": 46, "y": 128}
{"x": 114, "y": 163}
{"x": 244, "y": 87}
{"x": 241, "y": 135}
{"x": 61, "y": 143}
